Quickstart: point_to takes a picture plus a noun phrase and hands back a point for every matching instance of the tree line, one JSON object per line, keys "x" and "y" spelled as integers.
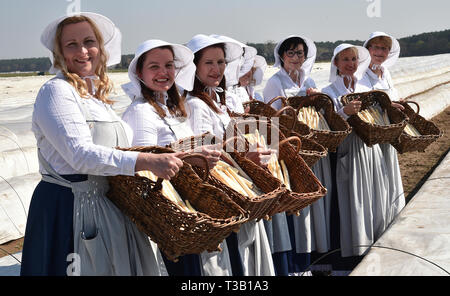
{"x": 417, "y": 45}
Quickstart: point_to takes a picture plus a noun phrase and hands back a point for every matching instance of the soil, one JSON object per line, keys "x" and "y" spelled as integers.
{"x": 415, "y": 168}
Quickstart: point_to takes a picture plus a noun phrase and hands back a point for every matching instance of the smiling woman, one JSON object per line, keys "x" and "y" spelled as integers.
{"x": 70, "y": 217}
{"x": 80, "y": 48}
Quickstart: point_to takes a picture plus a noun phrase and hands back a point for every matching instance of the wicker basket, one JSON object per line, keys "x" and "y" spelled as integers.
{"x": 258, "y": 207}
{"x": 289, "y": 125}
{"x": 177, "y": 232}
{"x": 338, "y": 125}
{"x": 305, "y": 187}
{"x": 287, "y": 116}
{"x": 373, "y": 134}
{"x": 428, "y": 130}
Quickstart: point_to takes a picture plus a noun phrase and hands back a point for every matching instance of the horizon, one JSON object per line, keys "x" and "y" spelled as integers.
{"x": 124, "y": 54}
{"x": 249, "y": 21}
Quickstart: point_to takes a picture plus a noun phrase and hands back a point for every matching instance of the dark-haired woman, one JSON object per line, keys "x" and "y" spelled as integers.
{"x": 295, "y": 56}
{"x": 208, "y": 111}
{"x": 157, "y": 113}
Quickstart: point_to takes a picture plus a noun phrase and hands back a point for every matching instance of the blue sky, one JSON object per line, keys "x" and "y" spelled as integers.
{"x": 22, "y": 21}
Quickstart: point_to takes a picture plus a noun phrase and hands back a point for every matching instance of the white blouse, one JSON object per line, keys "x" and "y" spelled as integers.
{"x": 338, "y": 89}
{"x": 203, "y": 119}
{"x": 64, "y": 137}
{"x": 240, "y": 92}
{"x": 233, "y": 102}
{"x": 383, "y": 83}
{"x": 149, "y": 128}
{"x": 280, "y": 84}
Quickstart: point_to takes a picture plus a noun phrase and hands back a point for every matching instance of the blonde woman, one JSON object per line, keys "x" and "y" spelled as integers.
{"x": 70, "y": 220}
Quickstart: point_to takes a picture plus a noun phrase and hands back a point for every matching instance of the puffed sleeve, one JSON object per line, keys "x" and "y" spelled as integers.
{"x": 199, "y": 115}
{"x": 233, "y": 102}
{"x": 59, "y": 118}
{"x": 272, "y": 89}
{"x": 140, "y": 116}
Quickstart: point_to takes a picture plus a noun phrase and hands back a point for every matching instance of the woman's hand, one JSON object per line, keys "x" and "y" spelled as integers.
{"x": 352, "y": 108}
{"x": 398, "y": 106}
{"x": 164, "y": 165}
{"x": 311, "y": 91}
{"x": 210, "y": 152}
{"x": 261, "y": 156}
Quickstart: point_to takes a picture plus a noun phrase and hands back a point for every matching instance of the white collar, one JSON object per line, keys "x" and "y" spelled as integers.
{"x": 285, "y": 75}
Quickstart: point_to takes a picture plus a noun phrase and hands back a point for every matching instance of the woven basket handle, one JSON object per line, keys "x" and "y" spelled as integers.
{"x": 295, "y": 139}
{"x": 248, "y": 103}
{"x": 283, "y": 101}
{"x": 289, "y": 109}
{"x": 418, "y": 107}
{"x": 203, "y": 158}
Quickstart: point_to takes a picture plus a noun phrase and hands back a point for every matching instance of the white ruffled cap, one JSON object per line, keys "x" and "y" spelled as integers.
{"x": 234, "y": 70}
{"x": 309, "y": 60}
{"x": 394, "y": 53}
{"x": 260, "y": 65}
{"x": 363, "y": 61}
{"x": 111, "y": 36}
{"x": 232, "y": 50}
{"x": 184, "y": 63}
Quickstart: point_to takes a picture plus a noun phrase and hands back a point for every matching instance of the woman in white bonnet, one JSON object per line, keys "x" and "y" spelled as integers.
{"x": 292, "y": 246}
{"x": 295, "y": 56}
{"x": 250, "y": 75}
{"x": 245, "y": 73}
{"x": 361, "y": 178}
{"x": 71, "y": 221}
{"x": 253, "y": 245}
{"x": 157, "y": 114}
{"x": 384, "y": 51}
{"x": 233, "y": 73}
{"x": 208, "y": 112}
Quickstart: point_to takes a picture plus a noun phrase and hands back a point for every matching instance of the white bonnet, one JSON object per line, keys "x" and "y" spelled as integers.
{"x": 239, "y": 67}
{"x": 394, "y": 53}
{"x": 309, "y": 60}
{"x": 183, "y": 59}
{"x": 232, "y": 50}
{"x": 111, "y": 36}
{"x": 363, "y": 61}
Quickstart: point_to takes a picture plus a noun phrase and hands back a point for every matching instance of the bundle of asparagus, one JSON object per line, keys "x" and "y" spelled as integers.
{"x": 169, "y": 192}
{"x": 411, "y": 130}
{"x": 235, "y": 178}
{"x": 314, "y": 119}
{"x": 373, "y": 115}
{"x": 278, "y": 169}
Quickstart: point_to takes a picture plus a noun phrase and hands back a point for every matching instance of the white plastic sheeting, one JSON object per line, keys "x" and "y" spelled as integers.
{"x": 418, "y": 241}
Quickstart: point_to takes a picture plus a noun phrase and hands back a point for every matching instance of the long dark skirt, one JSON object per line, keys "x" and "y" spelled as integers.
{"x": 187, "y": 265}
{"x": 297, "y": 262}
{"x": 49, "y": 231}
